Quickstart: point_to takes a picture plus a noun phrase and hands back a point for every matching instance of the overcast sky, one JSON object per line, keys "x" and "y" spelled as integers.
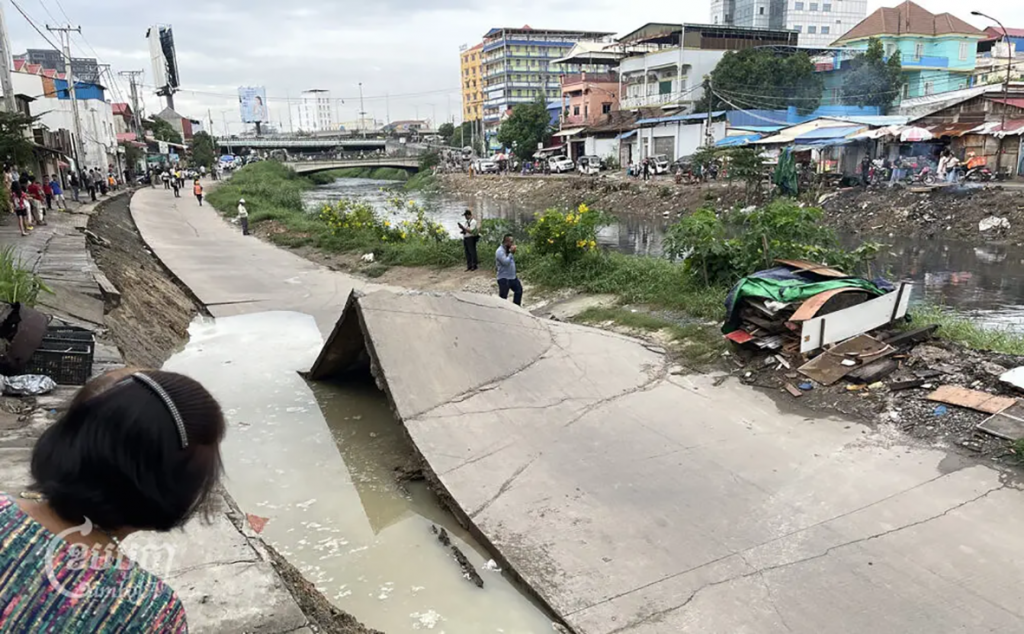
{"x": 405, "y": 48}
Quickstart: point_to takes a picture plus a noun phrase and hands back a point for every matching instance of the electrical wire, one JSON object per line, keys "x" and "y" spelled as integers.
{"x": 52, "y": 17}
{"x": 299, "y": 99}
{"x": 32, "y": 23}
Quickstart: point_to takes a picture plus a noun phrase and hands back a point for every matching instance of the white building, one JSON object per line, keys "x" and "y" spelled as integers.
{"x": 314, "y": 112}
{"x": 819, "y": 22}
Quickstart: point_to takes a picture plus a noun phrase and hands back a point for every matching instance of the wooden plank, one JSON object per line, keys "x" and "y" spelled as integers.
{"x": 853, "y": 321}
{"x": 794, "y": 392}
{"x": 912, "y": 336}
{"x": 906, "y": 385}
{"x": 827, "y": 368}
{"x": 739, "y": 336}
{"x": 971, "y": 399}
{"x": 874, "y": 371}
{"x": 801, "y": 266}
{"x": 811, "y": 307}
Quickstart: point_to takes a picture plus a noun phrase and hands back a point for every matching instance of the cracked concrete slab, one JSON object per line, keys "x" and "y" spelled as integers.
{"x": 632, "y": 500}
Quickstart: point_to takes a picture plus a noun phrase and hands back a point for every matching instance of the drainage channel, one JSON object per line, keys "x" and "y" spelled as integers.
{"x": 318, "y": 461}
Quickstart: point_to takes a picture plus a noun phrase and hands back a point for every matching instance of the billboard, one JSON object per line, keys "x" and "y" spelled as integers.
{"x": 165, "y": 60}
{"x": 252, "y": 101}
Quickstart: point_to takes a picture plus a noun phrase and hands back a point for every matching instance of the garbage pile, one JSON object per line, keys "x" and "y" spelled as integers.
{"x": 819, "y": 334}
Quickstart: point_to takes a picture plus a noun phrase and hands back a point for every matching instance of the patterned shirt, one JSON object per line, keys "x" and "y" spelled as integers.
{"x": 50, "y": 585}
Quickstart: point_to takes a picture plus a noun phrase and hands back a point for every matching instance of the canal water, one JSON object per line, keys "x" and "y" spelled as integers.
{"x": 317, "y": 460}
{"x": 982, "y": 281}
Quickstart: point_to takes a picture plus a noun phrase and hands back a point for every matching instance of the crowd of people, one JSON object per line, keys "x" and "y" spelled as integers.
{"x": 31, "y": 198}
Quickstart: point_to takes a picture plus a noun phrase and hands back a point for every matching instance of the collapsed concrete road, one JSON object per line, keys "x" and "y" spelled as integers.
{"x": 633, "y": 498}
{"x": 630, "y": 498}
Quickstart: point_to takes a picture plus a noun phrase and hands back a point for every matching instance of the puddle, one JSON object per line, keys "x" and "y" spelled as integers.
{"x": 317, "y": 460}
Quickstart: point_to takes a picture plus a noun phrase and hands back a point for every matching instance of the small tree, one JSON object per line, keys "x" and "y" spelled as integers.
{"x": 204, "y": 149}
{"x": 745, "y": 164}
{"x": 15, "y": 147}
{"x": 760, "y": 78}
{"x": 132, "y": 155}
{"x": 871, "y": 79}
{"x": 528, "y": 125}
{"x": 162, "y": 130}
{"x": 446, "y": 132}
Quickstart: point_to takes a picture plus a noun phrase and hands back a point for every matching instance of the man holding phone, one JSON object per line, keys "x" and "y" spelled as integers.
{"x": 470, "y": 236}
{"x": 505, "y": 260}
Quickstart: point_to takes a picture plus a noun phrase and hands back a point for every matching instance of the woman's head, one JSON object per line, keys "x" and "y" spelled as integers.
{"x": 134, "y": 450}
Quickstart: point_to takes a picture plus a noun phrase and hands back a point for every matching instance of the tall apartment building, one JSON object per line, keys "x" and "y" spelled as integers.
{"x": 314, "y": 112}
{"x": 819, "y": 22}
{"x": 472, "y": 82}
{"x": 515, "y": 68}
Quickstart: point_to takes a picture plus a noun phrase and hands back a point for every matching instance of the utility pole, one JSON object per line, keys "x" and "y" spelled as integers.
{"x": 387, "y": 107}
{"x": 288, "y": 98}
{"x": 10, "y": 105}
{"x": 134, "y": 87}
{"x": 209, "y": 117}
{"x": 709, "y": 134}
{"x": 1006, "y": 86}
{"x": 362, "y": 111}
{"x": 65, "y": 37}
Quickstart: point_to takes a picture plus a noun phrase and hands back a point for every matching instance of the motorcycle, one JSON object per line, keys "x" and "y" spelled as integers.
{"x": 980, "y": 174}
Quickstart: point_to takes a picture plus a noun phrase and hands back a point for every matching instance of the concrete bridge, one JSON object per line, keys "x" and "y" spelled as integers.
{"x": 410, "y": 164}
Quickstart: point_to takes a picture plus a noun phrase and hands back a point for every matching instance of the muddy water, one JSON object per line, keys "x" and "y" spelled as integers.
{"x": 317, "y": 461}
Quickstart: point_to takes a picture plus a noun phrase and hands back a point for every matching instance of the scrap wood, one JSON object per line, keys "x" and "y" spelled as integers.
{"x": 794, "y": 392}
{"x": 827, "y": 368}
{"x": 912, "y": 337}
{"x": 803, "y": 266}
{"x": 906, "y": 385}
{"x": 971, "y": 399}
{"x": 1007, "y": 424}
{"x": 810, "y": 308}
{"x": 874, "y": 371}
{"x": 739, "y": 336}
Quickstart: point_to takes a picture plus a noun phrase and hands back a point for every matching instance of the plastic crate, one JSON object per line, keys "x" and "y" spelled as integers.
{"x": 65, "y": 355}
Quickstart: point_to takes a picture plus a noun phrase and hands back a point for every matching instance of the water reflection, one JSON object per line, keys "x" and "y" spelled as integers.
{"x": 984, "y": 281}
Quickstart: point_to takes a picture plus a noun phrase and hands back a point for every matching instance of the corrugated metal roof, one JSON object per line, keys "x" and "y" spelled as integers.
{"x": 1015, "y": 102}
{"x": 952, "y": 129}
{"x": 822, "y": 134}
{"x": 875, "y": 120}
{"x": 697, "y": 116}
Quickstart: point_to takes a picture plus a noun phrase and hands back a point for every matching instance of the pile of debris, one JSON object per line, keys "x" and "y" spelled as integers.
{"x": 842, "y": 343}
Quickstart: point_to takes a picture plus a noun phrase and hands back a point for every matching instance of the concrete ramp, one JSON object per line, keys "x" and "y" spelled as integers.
{"x": 634, "y": 498}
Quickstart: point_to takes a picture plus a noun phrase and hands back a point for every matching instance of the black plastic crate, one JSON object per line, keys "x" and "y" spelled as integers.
{"x": 66, "y": 362}
{"x": 68, "y": 333}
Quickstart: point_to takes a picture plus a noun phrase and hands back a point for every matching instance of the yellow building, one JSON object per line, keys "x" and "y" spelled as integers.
{"x": 472, "y": 84}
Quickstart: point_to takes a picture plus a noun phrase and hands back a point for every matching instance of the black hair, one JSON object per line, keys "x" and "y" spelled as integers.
{"x": 116, "y": 458}
{"x": 506, "y": 237}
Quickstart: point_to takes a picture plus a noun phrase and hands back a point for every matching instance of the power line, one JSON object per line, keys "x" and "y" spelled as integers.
{"x": 37, "y": 29}
{"x": 62, "y": 11}
{"x": 299, "y": 99}
{"x": 52, "y": 17}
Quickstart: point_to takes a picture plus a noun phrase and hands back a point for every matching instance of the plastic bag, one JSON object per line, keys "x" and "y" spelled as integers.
{"x": 28, "y": 385}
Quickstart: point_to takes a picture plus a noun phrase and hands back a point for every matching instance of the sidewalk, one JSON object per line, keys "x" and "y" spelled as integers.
{"x": 221, "y": 570}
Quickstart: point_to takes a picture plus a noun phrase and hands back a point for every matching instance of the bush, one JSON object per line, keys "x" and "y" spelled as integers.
{"x": 18, "y": 283}
{"x": 780, "y": 230}
{"x": 429, "y": 161}
{"x": 568, "y": 234}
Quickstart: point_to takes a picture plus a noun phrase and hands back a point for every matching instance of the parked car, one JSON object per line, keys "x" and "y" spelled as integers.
{"x": 485, "y": 166}
{"x": 560, "y": 164}
{"x": 590, "y": 164}
{"x": 660, "y": 164}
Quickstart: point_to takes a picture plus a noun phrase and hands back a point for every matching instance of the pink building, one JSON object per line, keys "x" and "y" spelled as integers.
{"x": 587, "y": 99}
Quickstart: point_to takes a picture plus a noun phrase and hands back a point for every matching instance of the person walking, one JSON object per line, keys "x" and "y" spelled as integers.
{"x": 20, "y": 204}
{"x": 91, "y": 183}
{"x": 243, "y": 216}
{"x": 470, "y": 238}
{"x": 135, "y": 451}
{"x": 166, "y": 178}
{"x": 197, "y": 189}
{"x": 647, "y": 170}
{"x": 952, "y": 169}
{"x": 505, "y": 259}
{"x": 58, "y": 193}
{"x": 176, "y": 188}
{"x": 75, "y": 187}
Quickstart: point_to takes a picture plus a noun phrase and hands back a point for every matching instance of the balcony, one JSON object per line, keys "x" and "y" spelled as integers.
{"x": 653, "y": 101}
{"x": 595, "y": 78}
{"x": 926, "y": 61}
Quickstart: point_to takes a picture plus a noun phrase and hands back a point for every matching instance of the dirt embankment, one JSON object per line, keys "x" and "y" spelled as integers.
{"x": 942, "y": 212}
{"x": 611, "y": 194}
{"x": 155, "y": 311}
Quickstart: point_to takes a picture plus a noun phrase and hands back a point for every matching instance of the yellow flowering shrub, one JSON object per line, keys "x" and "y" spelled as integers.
{"x": 568, "y": 234}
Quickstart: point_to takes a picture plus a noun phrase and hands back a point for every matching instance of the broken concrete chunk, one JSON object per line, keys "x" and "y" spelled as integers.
{"x": 993, "y": 223}
{"x": 1014, "y": 377}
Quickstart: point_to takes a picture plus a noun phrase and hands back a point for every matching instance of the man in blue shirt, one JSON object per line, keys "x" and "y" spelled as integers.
{"x": 505, "y": 258}
{"x": 58, "y": 193}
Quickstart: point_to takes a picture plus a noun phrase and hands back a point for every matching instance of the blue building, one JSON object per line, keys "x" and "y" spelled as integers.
{"x": 938, "y": 51}
{"x": 83, "y": 90}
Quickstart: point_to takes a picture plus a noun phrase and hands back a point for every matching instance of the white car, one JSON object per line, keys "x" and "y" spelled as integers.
{"x": 485, "y": 166}
{"x": 660, "y": 164}
{"x": 560, "y": 165}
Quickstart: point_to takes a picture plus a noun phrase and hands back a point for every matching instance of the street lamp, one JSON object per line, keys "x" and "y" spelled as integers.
{"x": 1006, "y": 86}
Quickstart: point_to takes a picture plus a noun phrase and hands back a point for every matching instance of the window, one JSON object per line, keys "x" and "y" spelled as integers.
{"x": 799, "y": 6}
{"x": 890, "y": 48}
{"x": 918, "y": 50}
{"x": 606, "y": 108}
{"x": 760, "y": 10}
{"x": 576, "y": 111}
{"x": 811, "y": 30}
{"x": 814, "y": 6}
{"x": 798, "y": 28}
{"x": 827, "y": 8}
{"x": 963, "y": 51}
{"x": 824, "y": 30}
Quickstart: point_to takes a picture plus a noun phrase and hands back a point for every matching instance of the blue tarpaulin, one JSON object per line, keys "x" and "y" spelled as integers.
{"x": 734, "y": 141}
{"x": 827, "y": 134}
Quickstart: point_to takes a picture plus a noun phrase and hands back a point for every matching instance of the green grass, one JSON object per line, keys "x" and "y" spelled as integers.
{"x": 698, "y": 344}
{"x": 422, "y": 181}
{"x": 967, "y": 333}
{"x": 1018, "y": 451}
{"x": 18, "y": 284}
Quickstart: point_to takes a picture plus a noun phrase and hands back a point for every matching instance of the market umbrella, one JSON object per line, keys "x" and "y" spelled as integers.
{"x": 914, "y": 135}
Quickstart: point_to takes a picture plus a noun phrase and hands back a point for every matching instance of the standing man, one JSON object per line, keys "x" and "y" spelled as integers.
{"x": 865, "y": 170}
{"x": 75, "y": 187}
{"x": 243, "y": 217}
{"x": 165, "y": 176}
{"x": 470, "y": 236}
{"x": 505, "y": 260}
